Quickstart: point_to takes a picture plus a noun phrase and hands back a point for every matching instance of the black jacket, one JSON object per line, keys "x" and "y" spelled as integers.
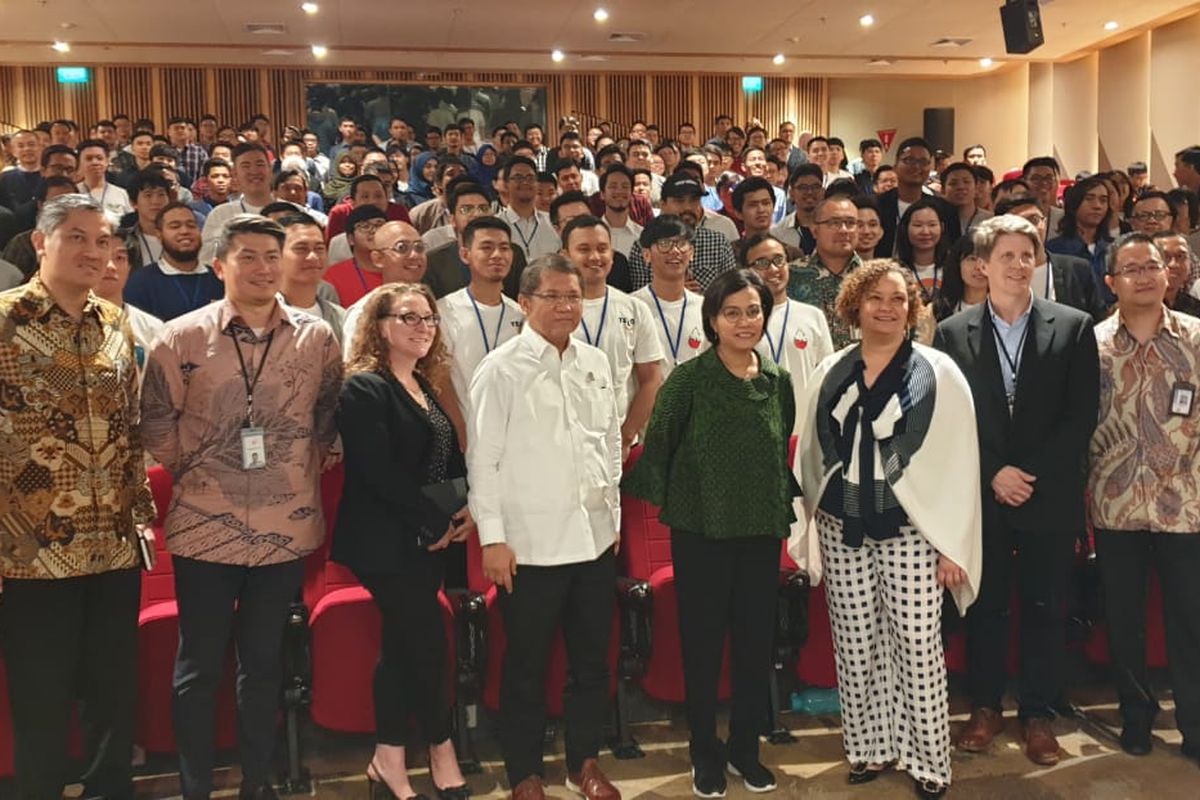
{"x": 889, "y": 218}
{"x": 1054, "y": 412}
{"x": 386, "y": 438}
{"x": 1075, "y": 285}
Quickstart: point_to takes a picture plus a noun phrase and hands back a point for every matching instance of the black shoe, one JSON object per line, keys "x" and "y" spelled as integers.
{"x": 929, "y": 790}
{"x": 708, "y": 782}
{"x": 1135, "y": 740}
{"x": 453, "y": 793}
{"x": 862, "y": 772}
{"x": 754, "y": 775}
{"x": 264, "y": 792}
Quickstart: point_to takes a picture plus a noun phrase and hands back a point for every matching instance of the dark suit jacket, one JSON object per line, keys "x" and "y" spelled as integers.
{"x": 15, "y": 190}
{"x": 889, "y": 218}
{"x": 9, "y": 226}
{"x": 446, "y": 273}
{"x": 386, "y": 438}
{"x": 1075, "y": 285}
{"x": 1054, "y": 412}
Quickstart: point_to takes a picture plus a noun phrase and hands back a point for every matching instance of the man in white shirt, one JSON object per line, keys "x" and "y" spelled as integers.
{"x": 145, "y": 327}
{"x": 478, "y": 318}
{"x": 544, "y": 455}
{"x": 531, "y": 229}
{"x": 620, "y": 325}
{"x": 252, "y": 176}
{"x": 675, "y": 310}
{"x": 616, "y": 190}
{"x": 302, "y": 264}
{"x": 93, "y": 169}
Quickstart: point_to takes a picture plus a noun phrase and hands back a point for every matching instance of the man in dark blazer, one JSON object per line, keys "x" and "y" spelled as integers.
{"x": 913, "y": 160}
{"x": 1073, "y": 280}
{"x": 1034, "y": 374}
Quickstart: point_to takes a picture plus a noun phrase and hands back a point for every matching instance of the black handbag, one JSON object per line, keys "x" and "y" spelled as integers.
{"x": 448, "y": 497}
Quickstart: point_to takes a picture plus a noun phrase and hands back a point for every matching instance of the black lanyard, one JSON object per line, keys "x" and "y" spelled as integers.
{"x": 1014, "y": 362}
{"x": 250, "y": 384}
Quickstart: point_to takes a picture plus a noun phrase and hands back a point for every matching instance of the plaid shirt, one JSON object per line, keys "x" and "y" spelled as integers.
{"x": 192, "y": 158}
{"x": 712, "y": 255}
{"x": 810, "y": 281}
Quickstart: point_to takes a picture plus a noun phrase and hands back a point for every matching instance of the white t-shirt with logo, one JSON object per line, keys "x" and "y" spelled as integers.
{"x": 623, "y": 328}
{"x": 796, "y": 338}
{"x": 678, "y": 325}
{"x": 465, "y": 338}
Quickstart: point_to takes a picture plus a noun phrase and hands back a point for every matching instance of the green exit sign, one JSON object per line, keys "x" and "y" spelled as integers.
{"x": 73, "y": 74}
{"x": 752, "y": 83}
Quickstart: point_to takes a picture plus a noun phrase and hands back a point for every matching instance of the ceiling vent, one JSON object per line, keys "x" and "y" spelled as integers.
{"x": 593, "y": 57}
{"x": 626, "y": 38}
{"x": 266, "y": 28}
{"x": 951, "y": 41}
{"x": 880, "y": 62}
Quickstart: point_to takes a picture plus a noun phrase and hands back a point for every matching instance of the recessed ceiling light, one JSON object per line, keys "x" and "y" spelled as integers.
{"x": 61, "y": 47}
{"x": 778, "y": 59}
{"x": 866, "y": 20}
{"x": 1111, "y": 25}
{"x": 985, "y": 62}
{"x": 320, "y": 50}
{"x": 600, "y": 15}
{"x": 309, "y": 8}
{"x": 557, "y": 56}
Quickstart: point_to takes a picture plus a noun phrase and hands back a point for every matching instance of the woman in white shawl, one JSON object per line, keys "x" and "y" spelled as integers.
{"x": 890, "y": 472}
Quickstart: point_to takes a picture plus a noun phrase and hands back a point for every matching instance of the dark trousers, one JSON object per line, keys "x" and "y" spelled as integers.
{"x": 579, "y": 598}
{"x": 727, "y": 587}
{"x": 1124, "y": 559}
{"x": 1043, "y": 562}
{"x": 68, "y": 640}
{"x": 410, "y": 678}
{"x": 216, "y": 600}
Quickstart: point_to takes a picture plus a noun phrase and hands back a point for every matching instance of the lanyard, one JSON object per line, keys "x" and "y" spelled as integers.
{"x": 526, "y": 240}
{"x": 487, "y": 348}
{"x": 193, "y": 302}
{"x": 599, "y": 328}
{"x": 1014, "y": 363}
{"x": 146, "y": 246}
{"x": 104, "y": 193}
{"x": 777, "y": 352}
{"x": 674, "y": 345}
{"x": 926, "y": 295}
{"x": 250, "y": 384}
{"x": 361, "y": 278}
{"x": 242, "y": 203}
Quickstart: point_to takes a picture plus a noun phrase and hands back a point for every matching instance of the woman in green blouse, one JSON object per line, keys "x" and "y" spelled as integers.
{"x": 715, "y": 461}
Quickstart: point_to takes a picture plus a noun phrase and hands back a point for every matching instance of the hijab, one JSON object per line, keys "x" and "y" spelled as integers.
{"x": 419, "y": 188}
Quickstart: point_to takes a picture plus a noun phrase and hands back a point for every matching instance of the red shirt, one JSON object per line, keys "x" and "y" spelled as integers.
{"x": 337, "y": 217}
{"x": 352, "y": 281}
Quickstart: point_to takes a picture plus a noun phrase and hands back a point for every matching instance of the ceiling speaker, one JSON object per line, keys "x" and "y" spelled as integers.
{"x": 1022, "y": 22}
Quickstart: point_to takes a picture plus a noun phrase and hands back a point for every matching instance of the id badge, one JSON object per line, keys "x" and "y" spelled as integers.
{"x": 254, "y": 448}
{"x": 1183, "y": 399}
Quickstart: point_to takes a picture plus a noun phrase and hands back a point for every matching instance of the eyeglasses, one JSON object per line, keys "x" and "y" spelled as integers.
{"x": 521, "y": 178}
{"x": 412, "y": 319}
{"x": 471, "y": 211}
{"x": 839, "y": 223}
{"x": 369, "y": 226}
{"x": 807, "y": 188}
{"x": 1042, "y": 179}
{"x": 913, "y": 161}
{"x": 1152, "y": 216}
{"x": 777, "y": 261}
{"x": 736, "y": 315}
{"x": 1138, "y": 271}
{"x": 667, "y": 245}
{"x": 555, "y": 299}
{"x": 404, "y": 247}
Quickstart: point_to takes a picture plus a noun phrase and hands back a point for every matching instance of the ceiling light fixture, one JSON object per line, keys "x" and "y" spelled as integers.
{"x": 61, "y": 47}
{"x": 866, "y": 20}
{"x": 309, "y": 8}
{"x": 557, "y": 56}
{"x": 320, "y": 50}
{"x": 985, "y": 62}
{"x": 600, "y": 15}
{"x": 1111, "y": 25}
{"x": 778, "y": 59}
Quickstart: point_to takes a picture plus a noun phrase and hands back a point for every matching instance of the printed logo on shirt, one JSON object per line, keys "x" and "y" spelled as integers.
{"x": 628, "y": 322}
{"x": 800, "y": 342}
{"x": 694, "y": 339}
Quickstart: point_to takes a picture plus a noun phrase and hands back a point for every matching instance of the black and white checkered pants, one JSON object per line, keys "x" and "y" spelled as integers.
{"x": 885, "y": 607}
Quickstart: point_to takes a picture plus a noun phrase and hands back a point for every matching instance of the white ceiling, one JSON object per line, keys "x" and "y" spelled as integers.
{"x": 816, "y": 36}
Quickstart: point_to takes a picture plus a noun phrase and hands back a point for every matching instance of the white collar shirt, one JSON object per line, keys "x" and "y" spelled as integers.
{"x": 623, "y": 328}
{"x": 471, "y": 330}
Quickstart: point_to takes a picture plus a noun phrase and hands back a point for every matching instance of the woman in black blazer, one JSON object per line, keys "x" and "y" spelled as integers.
{"x": 397, "y": 439}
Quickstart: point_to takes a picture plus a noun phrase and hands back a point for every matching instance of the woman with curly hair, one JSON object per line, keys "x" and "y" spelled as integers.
{"x": 399, "y": 445}
{"x": 889, "y": 468}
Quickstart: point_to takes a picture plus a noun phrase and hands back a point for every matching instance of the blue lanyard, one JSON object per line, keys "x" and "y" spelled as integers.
{"x": 599, "y": 328}
{"x": 777, "y": 352}
{"x": 487, "y": 348}
{"x": 674, "y": 345}
{"x": 193, "y": 301}
{"x": 361, "y": 278}
{"x": 526, "y": 240}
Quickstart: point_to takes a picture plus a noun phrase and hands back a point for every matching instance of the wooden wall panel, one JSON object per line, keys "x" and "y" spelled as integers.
{"x": 12, "y": 111}
{"x": 585, "y": 103}
{"x": 287, "y": 100}
{"x": 129, "y": 92}
{"x": 719, "y": 94}
{"x": 183, "y": 92}
{"x": 626, "y": 101}
{"x": 44, "y": 99}
{"x": 237, "y": 95}
{"x": 672, "y": 102}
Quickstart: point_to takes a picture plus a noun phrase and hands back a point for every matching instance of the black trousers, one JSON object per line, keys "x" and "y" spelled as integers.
{"x": 215, "y": 601}
{"x": 410, "y": 678}
{"x": 68, "y": 640}
{"x": 1043, "y": 562}
{"x": 579, "y": 598}
{"x": 727, "y": 587}
{"x": 1124, "y": 559}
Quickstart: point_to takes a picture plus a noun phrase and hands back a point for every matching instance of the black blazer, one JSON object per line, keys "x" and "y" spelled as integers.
{"x": 386, "y": 438}
{"x": 1075, "y": 285}
{"x": 889, "y": 218}
{"x": 1054, "y": 412}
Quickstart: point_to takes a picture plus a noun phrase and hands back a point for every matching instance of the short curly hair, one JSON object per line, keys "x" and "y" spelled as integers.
{"x": 860, "y": 281}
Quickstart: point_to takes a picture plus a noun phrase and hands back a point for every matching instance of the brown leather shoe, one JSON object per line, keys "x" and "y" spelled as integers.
{"x": 590, "y": 782}
{"x": 977, "y": 734}
{"x": 529, "y": 789}
{"x": 1040, "y": 744}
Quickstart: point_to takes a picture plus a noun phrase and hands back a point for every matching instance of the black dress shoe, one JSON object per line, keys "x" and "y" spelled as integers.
{"x": 1135, "y": 740}
{"x": 264, "y": 792}
{"x": 865, "y": 773}
{"x": 453, "y": 793}
{"x": 929, "y": 790}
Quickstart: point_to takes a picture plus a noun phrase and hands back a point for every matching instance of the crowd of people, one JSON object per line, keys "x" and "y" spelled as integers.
{"x": 980, "y": 370}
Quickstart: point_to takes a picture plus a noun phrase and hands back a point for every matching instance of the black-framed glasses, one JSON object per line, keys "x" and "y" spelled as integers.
{"x": 1137, "y": 271}
{"x": 413, "y": 319}
{"x": 404, "y": 247}
{"x": 677, "y": 243}
{"x": 778, "y": 261}
{"x": 1152, "y": 216}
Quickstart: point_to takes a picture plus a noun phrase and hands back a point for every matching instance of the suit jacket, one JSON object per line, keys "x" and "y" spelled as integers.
{"x": 15, "y": 190}
{"x": 1054, "y": 412}
{"x": 889, "y": 218}
{"x": 1075, "y": 285}
{"x": 386, "y": 438}
{"x": 445, "y": 272}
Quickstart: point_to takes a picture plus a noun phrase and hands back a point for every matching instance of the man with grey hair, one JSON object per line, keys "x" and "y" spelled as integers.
{"x": 544, "y": 452}
{"x": 75, "y": 508}
{"x": 1034, "y": 377}
{"x": 238, "y": 405}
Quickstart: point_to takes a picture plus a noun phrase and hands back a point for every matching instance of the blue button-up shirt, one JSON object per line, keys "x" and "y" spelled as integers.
{"x": 1011, "y": 340}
